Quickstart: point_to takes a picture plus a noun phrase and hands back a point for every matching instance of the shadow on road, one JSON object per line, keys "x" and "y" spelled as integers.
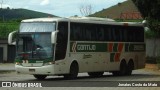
{"x": 133, "y": 77}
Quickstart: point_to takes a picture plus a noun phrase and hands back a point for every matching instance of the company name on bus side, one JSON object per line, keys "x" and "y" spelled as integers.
{"x": 83, "y": 47}
{"x": 104, "y": 47}
{"x": 86, "y": 47}
{"x": 138, "y": 47}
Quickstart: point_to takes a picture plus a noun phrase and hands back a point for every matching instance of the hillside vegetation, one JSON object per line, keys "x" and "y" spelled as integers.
{"x": 14, "y": 14}
{"x": 10, "y": 19}
{"x": 115, "y": 11}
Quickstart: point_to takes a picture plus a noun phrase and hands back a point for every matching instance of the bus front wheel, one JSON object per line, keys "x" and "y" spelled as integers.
{"x": 40, "y": 77}
{"x": 73, "y": 72}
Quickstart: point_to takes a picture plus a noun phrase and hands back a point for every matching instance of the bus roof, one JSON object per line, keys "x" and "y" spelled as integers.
{"x": 84, "y": 20}
{"x": 42, "y": 19}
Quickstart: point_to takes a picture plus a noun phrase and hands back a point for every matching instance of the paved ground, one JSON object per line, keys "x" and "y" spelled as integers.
{"x": 84, "y": 81}
{"x": 7, "y": 67}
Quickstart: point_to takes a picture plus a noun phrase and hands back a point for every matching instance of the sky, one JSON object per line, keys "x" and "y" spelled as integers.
{"x": 63, "y": 8}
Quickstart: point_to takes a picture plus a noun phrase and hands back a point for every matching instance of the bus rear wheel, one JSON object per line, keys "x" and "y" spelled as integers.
{"x": 73, "y": 72}
{"x": 130, "y": 67}
{"x": 122, "y": 71}
{"x": 95, "y": 74}
{"x": 40, "y": 77}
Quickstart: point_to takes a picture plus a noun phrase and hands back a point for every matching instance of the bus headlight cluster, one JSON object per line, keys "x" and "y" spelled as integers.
{"x": 48, "y": 63}
{"x": 18, "y": 63}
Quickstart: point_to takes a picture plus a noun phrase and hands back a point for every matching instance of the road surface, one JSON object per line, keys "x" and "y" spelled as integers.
{"x": 107, "y": 81}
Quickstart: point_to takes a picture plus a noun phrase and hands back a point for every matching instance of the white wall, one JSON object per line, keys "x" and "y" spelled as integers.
{"x": 150, "y": 47}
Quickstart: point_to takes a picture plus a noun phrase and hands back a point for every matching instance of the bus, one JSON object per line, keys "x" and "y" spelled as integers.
{"x": 68, "y": 46}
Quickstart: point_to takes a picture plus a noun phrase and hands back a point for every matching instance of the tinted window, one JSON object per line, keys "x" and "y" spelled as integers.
{"x": 100, "y": 32}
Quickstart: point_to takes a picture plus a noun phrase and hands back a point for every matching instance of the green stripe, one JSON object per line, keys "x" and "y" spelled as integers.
{"x": 136, "y": 47}
{"x": 35, "y": 61}
{"x": 115, "y": 47}
{"x": 103, "y": 47}
{"x": 127, "y": 47}
{"x": 89, "y": 47}
{"x": 112, "y": 57}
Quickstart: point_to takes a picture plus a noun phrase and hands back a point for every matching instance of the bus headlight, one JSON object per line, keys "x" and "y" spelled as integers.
{"x": 18, "y": 63}
{"x": 48, "y": 63}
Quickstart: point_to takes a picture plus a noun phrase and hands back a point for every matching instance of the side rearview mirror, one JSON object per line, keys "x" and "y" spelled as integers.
{"x": 12, "y": 38}
{"x": 54, "y": 37}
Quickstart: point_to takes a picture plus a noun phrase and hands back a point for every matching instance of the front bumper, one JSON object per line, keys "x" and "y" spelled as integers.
{"x": 43, "y": 70}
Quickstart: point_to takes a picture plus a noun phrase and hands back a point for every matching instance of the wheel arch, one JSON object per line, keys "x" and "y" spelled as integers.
{"x": 74, "y": 62}
{"x": 123, "y": 61}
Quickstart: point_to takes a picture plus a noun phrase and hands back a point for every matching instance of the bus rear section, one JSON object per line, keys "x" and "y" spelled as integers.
{"x": 112, "y": 47}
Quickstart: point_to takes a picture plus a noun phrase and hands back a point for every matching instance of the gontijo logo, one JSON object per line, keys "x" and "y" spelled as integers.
{"x": 83, "y": 47}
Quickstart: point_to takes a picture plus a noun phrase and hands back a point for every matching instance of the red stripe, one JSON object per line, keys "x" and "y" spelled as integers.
{"x": 117, "y": 57}
{"x": 110, "y": 47}
{"x": 120, "y": 47}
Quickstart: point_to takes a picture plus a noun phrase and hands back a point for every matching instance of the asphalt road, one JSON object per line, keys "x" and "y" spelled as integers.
{"x": 84, "y": 81}
{"x": 138, "y": 75}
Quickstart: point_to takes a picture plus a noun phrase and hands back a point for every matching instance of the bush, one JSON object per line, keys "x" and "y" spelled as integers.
{"x": 150, "y": 34}
{"x": 6, "y": 28}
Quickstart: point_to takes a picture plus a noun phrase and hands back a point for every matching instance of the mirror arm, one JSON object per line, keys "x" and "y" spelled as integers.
{"x": 54, "y": 36}
{"x": 10, "y": 37}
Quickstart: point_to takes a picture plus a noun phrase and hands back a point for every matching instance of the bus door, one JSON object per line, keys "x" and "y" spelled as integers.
{"x": 61, "y": 45}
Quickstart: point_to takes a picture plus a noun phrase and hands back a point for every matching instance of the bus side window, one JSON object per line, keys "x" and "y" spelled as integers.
{"x": 62, "y": 39}
{"x": 101, "y": 34}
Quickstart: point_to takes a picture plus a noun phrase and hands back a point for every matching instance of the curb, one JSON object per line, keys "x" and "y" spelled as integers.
{"x": 7, "y": 68}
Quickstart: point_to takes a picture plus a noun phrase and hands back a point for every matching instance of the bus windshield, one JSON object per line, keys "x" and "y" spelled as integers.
{"x": 34, "y": 40}
{"x": 34, "y": 46}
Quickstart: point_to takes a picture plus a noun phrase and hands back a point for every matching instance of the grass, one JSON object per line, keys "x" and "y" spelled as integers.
{"x": 7, "y": 27}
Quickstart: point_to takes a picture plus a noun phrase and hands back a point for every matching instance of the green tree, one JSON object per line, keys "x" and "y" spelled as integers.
{"x": 150, "y": 10}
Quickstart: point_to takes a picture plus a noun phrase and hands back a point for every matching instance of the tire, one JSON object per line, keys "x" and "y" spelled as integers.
{"x": 40, "y": 77}
{"x": 74, "y": 69}
{"x": 130, "y": 67}
{"x": 123, "y": 68}
{"x": 115, "y": 73}
{"x": 95, "y": 74}
{"x": 122, "y": 71}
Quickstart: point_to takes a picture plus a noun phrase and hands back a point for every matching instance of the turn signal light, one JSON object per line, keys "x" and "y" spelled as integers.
{"x": 49, "y": 63}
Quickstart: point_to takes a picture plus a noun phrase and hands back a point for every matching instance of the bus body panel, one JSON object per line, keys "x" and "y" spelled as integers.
{"x": 44, "y": 70}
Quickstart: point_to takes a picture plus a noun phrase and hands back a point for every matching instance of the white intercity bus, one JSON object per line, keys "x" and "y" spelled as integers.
{"x": 68, "y": 46}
